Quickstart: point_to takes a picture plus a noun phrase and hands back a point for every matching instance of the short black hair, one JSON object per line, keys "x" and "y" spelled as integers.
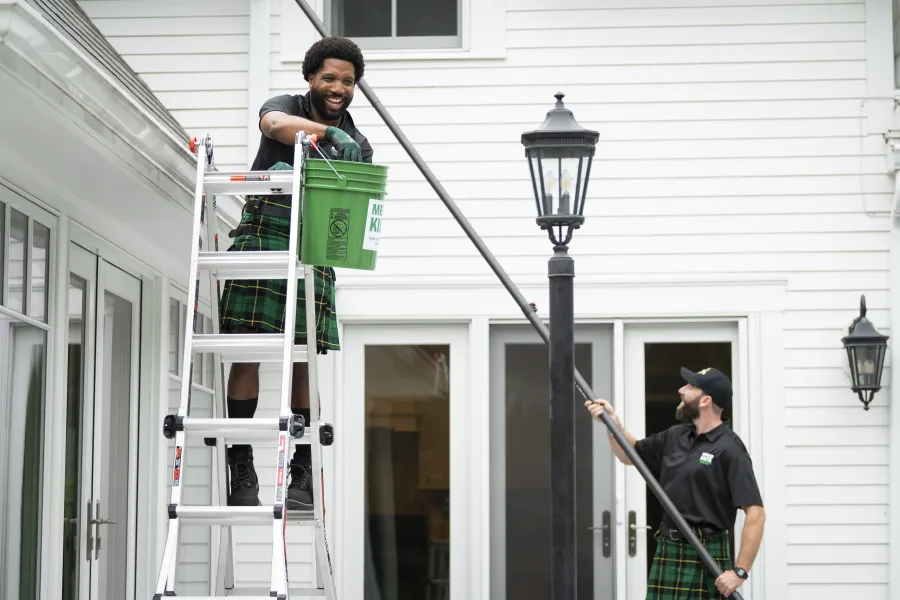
{"x": 333, "y": 47}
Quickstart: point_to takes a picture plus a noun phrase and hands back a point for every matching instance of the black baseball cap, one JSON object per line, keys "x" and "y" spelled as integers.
{"x": 713, "y": 382}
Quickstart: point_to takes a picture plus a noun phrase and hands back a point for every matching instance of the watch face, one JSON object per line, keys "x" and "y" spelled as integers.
{"x": 741, "y": 573}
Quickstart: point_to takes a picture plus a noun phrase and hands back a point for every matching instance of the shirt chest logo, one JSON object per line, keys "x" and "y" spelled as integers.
{"x": 706, "y": 458}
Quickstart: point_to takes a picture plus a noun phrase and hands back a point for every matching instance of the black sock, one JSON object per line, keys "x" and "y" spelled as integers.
{"x": 242, "y": 409}
{"x": 303, "y": 412}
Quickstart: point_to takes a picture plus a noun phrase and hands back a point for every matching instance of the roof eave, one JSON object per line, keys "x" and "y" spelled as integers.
{"x": 29, "y": 37}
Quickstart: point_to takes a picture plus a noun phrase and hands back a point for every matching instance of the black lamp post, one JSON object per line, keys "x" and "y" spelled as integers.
{"x": 865, "y": 350}
{"x": 559, "y": 155}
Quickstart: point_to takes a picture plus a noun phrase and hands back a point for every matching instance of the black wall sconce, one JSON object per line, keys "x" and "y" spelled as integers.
{"x": 865, "y": 350}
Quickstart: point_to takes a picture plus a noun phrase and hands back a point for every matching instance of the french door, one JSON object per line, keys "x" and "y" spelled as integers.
{"x": 521, "y": 478}
{"x": 101, "y": 451}
{"x": 653, "y": 356}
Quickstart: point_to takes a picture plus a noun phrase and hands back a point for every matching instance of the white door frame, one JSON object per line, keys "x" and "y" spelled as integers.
{"x": 629, "y": 403}
{"x": 348, "y": 523}
{"x": 101, "y": 276}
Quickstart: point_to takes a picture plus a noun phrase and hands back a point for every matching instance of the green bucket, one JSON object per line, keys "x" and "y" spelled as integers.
{"x": 342, "y": 215}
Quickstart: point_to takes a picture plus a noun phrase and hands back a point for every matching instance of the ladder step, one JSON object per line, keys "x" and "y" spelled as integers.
{"x": 249, "y": 182}
{"x": 226, "y": 515}
{"x": 296, "y": 592}
{"x": 247, "y": 347}
{"x": 259, "y": 597}
{"x": 248, "y": 265}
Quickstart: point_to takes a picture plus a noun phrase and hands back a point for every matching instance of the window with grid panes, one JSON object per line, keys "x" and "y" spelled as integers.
{"x": 24, "y": 263}
{"x": 397, "y": 24}
{"x": 203, "y": 363}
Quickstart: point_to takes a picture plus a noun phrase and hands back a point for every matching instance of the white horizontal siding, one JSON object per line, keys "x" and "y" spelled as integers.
{"x": 733, "y": 141}
{"x": 195, "y": 551}
{"x": 194, "y": 56}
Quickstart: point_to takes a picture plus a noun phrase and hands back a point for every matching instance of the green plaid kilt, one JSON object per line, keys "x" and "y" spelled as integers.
{"x": 257, "y": 306}
{"x": 678, "y": 574}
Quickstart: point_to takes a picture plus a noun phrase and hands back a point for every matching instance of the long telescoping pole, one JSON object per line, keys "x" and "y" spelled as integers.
{"x": 526, "y": 308}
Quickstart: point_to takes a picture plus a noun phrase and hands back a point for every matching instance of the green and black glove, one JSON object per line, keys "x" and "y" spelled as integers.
{"x": 346, "y": 146}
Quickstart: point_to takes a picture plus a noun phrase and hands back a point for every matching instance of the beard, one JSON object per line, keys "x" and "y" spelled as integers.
{"x": 687, "y": 411}
{"x": 325, "y": 110}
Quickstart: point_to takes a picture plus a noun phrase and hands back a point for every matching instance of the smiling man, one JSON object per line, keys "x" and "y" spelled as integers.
{"x": 332, "y": 67}
{"x": 705, "y": 469}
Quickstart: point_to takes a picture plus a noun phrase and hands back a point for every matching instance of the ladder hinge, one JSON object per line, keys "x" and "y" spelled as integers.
{"x": 326, "y": 434}
{"x": 294, "y": 425}
{"x": 171, "y": 425}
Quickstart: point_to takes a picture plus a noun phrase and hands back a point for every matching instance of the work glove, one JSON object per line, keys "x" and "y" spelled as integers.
{"x": 346, "y": 146}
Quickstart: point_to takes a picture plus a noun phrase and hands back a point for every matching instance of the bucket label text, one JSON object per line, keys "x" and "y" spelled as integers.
{"x": 372, "y": 234}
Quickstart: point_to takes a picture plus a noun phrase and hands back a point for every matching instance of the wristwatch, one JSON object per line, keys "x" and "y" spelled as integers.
{"x": 741, "y": 573}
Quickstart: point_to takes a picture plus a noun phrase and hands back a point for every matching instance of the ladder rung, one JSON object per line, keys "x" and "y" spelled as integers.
{"x": 262, "y": 439}
{"x": 226, "y": 515}
{"x": 249, "y": 182}
{"x": 260, "y": 597}
{"x": 247, "y": 347}
{"x": 248, "y": 265}
{"x": 224, "y": 427}
{"x": 296, "y": 593}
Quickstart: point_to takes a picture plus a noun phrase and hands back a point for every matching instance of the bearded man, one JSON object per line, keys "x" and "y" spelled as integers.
{"x": 332, "y": 67}
{"x": 705, "y": 469}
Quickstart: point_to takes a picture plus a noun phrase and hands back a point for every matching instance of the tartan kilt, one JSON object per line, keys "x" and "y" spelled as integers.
{"x": 258, "y": 306}
{"x": 677, "y": 573}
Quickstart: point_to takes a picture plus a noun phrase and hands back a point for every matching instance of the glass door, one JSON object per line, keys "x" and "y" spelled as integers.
{"x": 103, "y": 352}
{"x": 654, "y": 355}
{"x": 520, "y": 518}
{"x": 404, "y": 524}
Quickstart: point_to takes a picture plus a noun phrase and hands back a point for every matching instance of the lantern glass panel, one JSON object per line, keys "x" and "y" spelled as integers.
{"x": 560, "y": 182}
{"x": 865, "y": 364}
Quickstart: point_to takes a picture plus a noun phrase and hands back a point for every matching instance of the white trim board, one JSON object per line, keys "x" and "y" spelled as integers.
{"x": 593, "y": 300}
{"x": 483, "y": 28}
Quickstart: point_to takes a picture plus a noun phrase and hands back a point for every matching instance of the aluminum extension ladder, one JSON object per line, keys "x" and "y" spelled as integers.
{"x": 286, "y": 430}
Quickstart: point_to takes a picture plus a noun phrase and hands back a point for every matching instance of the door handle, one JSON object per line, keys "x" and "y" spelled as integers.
{"x": 606, "y": 528}
{"x": 633, "y": 528}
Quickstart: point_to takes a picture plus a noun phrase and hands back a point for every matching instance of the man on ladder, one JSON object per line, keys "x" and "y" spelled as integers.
{"x": 332, "y": 66}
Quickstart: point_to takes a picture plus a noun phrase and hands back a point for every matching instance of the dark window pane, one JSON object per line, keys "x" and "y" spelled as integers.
{"x": 18, "y": 238}
{"x": 407, "y": 472}
{"x": 2, "y": 249}
{"x": 427, "y": 17}
{"x": 528, "y": 477}
{"x": 23, "y": 354}
{"x": 40, "y": 272}
{"x": 362, "y": 18}
{"x": 74, "y": 405}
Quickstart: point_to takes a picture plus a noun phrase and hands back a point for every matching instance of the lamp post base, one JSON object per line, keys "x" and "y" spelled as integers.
{"x": 563, "y": 570}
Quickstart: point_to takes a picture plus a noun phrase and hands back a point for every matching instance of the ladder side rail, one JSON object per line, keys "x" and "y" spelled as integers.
{"x": 279, "y": 534}
{"x": 168, "y": 567}
{"x": 324, "y": 571}
{"x": 222, "y": 566}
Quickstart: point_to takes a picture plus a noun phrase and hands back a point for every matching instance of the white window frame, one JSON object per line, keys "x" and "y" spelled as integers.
{"x": 482, "y": 35}
{"x": 393, "y": 42}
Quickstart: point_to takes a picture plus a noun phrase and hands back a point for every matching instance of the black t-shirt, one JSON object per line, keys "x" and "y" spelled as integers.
{"x": 272, "y": 151}
{"x": 707, "y": 477}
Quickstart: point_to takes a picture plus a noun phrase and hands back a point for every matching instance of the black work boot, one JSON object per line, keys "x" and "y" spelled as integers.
{"x": 244, "y": 483}
{"x": 299, "y": 496}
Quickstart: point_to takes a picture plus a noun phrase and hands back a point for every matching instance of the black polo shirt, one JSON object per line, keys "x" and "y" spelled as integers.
{"x": 272, "y": 151}
{"x": 707, "y": 477}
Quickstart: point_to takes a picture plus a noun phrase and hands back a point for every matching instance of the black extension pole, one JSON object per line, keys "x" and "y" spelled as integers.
{"x": 526, "y": 308}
